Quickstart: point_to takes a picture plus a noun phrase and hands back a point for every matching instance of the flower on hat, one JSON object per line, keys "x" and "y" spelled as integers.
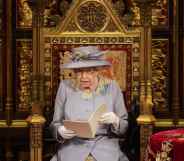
{"x": 85, "y": 57}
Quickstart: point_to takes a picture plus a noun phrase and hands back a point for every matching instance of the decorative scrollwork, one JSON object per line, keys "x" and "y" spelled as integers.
{"x": 91, "y": 17}
{"x": 160, "y": 13}
{"x": 163, "y": 155}
{"x": 136, "y": 12}
{"x": 24, "y": 14}
{"x": 160, "y": 75}
{"x": 24, "y": 69}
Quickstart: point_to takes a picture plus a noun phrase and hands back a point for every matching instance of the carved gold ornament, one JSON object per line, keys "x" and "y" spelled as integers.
{"x": 163, "y": 155}
{"x": 24, "y": 72}
{"x": 91, "y": 17}
{"x": 24, "y": 14}
{"x": 160, "y": 74}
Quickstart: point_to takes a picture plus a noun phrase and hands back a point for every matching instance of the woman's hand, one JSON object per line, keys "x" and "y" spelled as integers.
{"x": 110, "y": 118}
{"x": 65, "y": 133}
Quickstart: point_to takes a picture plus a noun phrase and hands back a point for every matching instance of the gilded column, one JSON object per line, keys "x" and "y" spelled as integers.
{"x": 9, "y": 64}
{"x": 146, "y": 119}
{"x": 175, "y": 98}
{"x": 36, "y": 120}
{"x": 36, "y": 125}
{"x": 38, "y": 49}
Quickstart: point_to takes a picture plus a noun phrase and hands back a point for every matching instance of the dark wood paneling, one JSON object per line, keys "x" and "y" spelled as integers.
{"x": 2, "y": 57}
{"x": 181, "y": 52}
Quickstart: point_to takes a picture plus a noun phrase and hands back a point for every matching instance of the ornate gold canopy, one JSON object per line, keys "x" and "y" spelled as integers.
{"x": 94, "y": 18}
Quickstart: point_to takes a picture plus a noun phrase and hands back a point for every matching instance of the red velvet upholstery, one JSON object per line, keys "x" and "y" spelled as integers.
{"x": 166, "y": 146}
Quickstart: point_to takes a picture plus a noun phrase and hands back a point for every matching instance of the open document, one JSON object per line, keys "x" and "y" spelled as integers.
{"x": 86, "y": 129}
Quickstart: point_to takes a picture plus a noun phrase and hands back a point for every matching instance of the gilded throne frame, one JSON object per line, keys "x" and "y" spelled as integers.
{"x": 110, "y": 34}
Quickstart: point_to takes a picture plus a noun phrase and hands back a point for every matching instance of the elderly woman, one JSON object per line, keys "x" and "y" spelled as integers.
{"x": 78, "y": 100}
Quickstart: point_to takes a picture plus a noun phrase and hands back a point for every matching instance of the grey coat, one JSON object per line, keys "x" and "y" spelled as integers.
{"x": 70, "y": 104}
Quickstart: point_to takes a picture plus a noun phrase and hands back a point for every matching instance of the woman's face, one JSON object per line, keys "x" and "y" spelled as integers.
{"x": 87, "y": 78}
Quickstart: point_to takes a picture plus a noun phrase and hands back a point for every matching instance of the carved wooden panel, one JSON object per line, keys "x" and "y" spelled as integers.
{"x": 23, "y": 14}
{"x": 24, "y": 62}
{"x": 160, "y": 13}
{"x": 1, "y": 77}
{"x": 145, "y": 133}
{"x": 92, "y": 17}
{"x": 1, "y": 55}
{"x": 1, "y": 14}
{"x": 160, "y": 75}
{"x": 91, "y": 11}
{"x": 56, "y": 11}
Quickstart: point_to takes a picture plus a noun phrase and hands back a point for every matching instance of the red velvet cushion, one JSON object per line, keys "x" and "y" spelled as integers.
{"x": 169, "y": 144}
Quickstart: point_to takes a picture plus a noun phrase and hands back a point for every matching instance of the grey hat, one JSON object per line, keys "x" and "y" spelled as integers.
{"x": 86, "y": 57}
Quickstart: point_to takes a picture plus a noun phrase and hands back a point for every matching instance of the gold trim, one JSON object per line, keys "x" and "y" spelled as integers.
{"x": 164, "y": 123}
{"x": 181, "y": 122}
{"x": 146, "y": 119}
{"x": 36, "y": 119}
{"x": 19, "y": 123}
{"x": 92, "y": 39}
{"x": 135, "y": 33}
{"x": 168, "y": 123}
{"x": 14, "y": 124}
{"x": 3, "y": 123}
